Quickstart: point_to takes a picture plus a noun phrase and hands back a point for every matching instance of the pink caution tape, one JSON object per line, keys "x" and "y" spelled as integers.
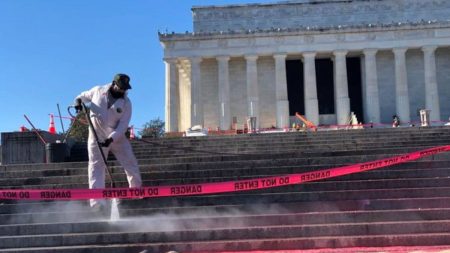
{"x": 211, "y": 188}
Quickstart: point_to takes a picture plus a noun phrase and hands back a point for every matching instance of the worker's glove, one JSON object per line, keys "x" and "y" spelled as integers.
{"x": 78, "y": 107}
{"x": 107, "y": 142}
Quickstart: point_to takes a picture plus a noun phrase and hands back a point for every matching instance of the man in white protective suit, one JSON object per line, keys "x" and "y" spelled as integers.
{"x": 110, "y": 113}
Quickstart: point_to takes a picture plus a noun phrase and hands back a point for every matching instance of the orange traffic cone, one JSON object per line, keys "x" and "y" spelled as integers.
{"x": 132, "y": 133}
{"x": 51, "y": 128}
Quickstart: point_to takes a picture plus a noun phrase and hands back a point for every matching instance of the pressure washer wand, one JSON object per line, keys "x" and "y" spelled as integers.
{"x": 99, "y": 144}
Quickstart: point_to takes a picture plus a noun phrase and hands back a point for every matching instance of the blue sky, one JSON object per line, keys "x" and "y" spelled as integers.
{"x": 51, "y": 50}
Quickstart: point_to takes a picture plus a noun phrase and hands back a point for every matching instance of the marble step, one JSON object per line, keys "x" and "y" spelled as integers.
{"x": 273, "y": 233}
{"x": 23, "y": 214}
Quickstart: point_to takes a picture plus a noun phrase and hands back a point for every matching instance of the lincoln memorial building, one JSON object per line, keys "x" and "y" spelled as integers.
{"x": 321, "y": 58}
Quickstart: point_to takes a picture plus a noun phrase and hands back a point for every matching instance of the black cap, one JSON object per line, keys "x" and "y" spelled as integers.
{"x": 123, "y": 81}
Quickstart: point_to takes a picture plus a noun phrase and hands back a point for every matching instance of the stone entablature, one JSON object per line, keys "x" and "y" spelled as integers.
{"x": 294, "y": 14}
{"x": 267, "y": 43}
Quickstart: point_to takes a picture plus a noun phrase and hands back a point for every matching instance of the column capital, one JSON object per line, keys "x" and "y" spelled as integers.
{"x": 223, "y": 58}
{"x": 170, "y": 60}
{"x": 399, "y": 50}
{"x": 429, "y": 48}
{"x": 309, "y": 54}
{"x": 340, "y": 53}
{"x": 370, "y": 51}
{"x": 251, "y": 57}
{"x": 196, "y": 59}
{"x": 280, "y": 56}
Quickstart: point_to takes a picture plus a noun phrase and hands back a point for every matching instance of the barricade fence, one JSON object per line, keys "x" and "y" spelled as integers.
{"x": 289, "y": 129}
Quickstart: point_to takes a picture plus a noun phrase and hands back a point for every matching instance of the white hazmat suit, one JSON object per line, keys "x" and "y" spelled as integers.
{"x": 112, "y": 123}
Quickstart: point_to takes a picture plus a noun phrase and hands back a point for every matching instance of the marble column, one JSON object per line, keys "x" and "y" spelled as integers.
{"x": 196, "y": 96}
{"x": 431, "y": 87}
{"x": 184, "y": 91}
{"x": 401, "y": 85}
{"x": 342, "y": 101}
{"x": 252, "y": 87}
{"x": 224, "y": 92}
{"x": 172, "y": 95}
{"x": 371, "y": 89}
{"x": 281, "y": 91}
{"x": 310, "y": 87}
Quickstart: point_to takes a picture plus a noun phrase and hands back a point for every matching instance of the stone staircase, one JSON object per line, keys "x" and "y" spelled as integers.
{"x": 402, "y": 205}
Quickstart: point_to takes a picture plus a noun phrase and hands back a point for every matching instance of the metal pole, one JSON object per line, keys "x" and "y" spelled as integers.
{"x": 35, "y": 130}
{"x": 60, "y": 119}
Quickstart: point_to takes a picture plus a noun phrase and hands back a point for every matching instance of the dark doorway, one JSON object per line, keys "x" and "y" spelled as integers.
{"x": 355, "y": 87}
{"x": 325, "y": 85}
{"x": 294, "y": 78}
